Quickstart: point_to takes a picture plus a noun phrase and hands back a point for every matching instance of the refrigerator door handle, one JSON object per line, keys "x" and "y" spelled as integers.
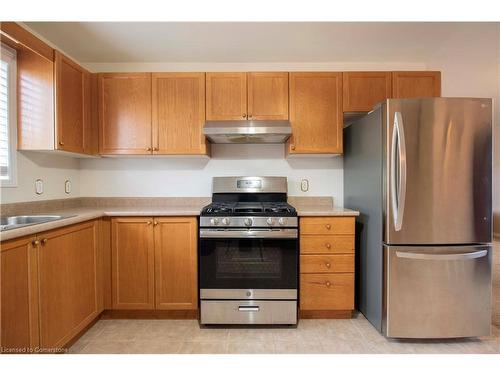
{"x": 430, "y": 256}
{"x": 398, "y": 189}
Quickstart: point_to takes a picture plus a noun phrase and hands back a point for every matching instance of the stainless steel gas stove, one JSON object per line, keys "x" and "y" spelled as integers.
{"x": 248, "y": 253}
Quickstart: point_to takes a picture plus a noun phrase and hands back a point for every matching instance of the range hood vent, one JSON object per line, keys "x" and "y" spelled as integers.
{"x": 247, "y": 131}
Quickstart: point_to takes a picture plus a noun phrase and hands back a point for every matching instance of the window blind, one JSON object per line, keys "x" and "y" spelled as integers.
{"x": 4, "y": 121}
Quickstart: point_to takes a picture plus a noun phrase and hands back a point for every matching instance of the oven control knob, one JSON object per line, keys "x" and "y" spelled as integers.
{"x": 214, "y": 221}
{"x": 270, "y": 221}
{"x": 248, "y": 222}
{"x": 282, "y": 221}
{"x": 225, "y": 221}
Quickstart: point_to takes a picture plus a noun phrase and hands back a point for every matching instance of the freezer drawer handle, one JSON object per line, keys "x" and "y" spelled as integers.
{"x": 248, "y": 308}
{"x": 428, "y": 256}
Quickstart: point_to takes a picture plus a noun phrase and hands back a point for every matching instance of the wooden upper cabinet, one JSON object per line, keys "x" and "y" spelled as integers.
{"x": 132, "y": 259}
{"x": 267, "y": 96}
{"x": 316, "y": 113}
{"x": 72, "y": 87}
{"x": 226, "y": 96}
{"x": 416, "y": 84}
{"x": 68, "y": 282}
{"x": 176, "y": 263}
{"x": 178, "y": 113}
{"x": 19, "y": 297}
{"x": 125, "y": 113}
{"x": 362, "y": 90}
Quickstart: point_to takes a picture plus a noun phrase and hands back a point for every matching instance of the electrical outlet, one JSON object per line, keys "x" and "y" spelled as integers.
{"x": 67, "y": 186}
{"x": 39, "y": 186}
{"x": 304, "y": 185}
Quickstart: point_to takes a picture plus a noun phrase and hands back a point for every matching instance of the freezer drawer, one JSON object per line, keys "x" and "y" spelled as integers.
{"x": 437, "y": 292}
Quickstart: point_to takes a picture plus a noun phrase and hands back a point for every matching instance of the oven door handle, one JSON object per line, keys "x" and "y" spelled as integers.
{"x": 250, "y": 233}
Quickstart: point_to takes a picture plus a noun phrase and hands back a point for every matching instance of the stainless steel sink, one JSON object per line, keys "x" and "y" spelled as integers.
{"x": 12, "y": 222}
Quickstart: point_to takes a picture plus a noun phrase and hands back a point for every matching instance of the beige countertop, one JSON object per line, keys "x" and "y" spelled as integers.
{"x": 81, "y": 214}
{"x": 75, "y": 215}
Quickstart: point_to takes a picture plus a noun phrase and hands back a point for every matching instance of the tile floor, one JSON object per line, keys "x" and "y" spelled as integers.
{"x": 311, "y": 336}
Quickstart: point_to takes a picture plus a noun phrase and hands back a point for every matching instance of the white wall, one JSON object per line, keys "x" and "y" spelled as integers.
{"x": 192, "y": 176}
{"x": 52, "y": 169}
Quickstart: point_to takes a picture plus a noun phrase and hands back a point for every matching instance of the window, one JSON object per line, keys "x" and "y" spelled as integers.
{"x": 8, "y": 127}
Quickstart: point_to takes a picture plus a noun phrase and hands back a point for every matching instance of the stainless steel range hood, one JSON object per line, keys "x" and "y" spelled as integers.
{"x": 247, "y": 131}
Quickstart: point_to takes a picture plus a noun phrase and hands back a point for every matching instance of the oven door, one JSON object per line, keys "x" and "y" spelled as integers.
{"x": 249, "y": 260}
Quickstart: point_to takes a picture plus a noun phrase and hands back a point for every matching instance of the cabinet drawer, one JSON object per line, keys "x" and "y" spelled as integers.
{"x": 327, "y": 225}
{"x": 326, "y": 263}
{"x": 327, "y": 291}
{"x": 326, "y": 244}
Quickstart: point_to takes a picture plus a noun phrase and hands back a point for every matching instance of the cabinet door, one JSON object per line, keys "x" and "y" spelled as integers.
{"x": 268, "y": 96}
{"x": 362, "y": 90}
{"x": 67, "y": 282}
{"x": 176, "y": 265}
{"x": 70, "y": 104}
{"x": 226, "y": 96}
{"x": 416, "y": 84}
{"x": 125, "y": 113}
{"x": 179, "y": 113}
{"x": 316, "y": 113}
{"x": 132, "y": 263}
{"x": 19, "y": 297}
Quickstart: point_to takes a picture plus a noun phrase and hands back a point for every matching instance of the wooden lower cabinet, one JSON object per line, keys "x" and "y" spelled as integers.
{"x": 50, "y": 287}
{"x": 154, "y": 263}
{"x": 326, "y": 266}
{"x": 176, "y": 263}
{"x": 68, "y": 282}
{"x": 132, "y": 263}
{"x": 19, "y": 297}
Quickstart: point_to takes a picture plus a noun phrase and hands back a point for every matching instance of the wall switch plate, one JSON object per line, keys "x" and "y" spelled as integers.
{"x": 304, "y": 185}
{"x": 39, "y": 186}
{"x": 67, "y": 186}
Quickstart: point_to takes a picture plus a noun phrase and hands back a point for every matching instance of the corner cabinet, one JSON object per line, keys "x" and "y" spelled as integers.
{"x": 50, "y": 287}
{"x": 154, "y": 263}
{"x": 315, "y": 113}
{"x": 242, "y": 96}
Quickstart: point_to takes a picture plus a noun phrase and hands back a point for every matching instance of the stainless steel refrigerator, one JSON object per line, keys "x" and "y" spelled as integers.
{"x": 420, "y": 173}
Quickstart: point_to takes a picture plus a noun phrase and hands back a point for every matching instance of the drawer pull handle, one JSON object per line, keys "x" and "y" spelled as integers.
{"x": 328, "y": 226}
{"x": 328, "y": 284}
{"x": 328, "y": 265}
{"x": 248, "y": 308}
{"x": 328, "y": 246}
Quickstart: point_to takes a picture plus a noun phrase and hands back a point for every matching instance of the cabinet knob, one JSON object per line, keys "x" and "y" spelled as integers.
{"x": 328, "y": 226}
{"x": 149, "y": 222}
{"x": 61, "y": 143}
{"x": 244, "y": 115}
{"x": 328, "y": 246}
{"x": 155, "y": 148}
{"x": 35, "y": 243}
{"x": 249, "y": 116}
{"x": 328, "y": 284}
{"x": 149, "y": 149}
{"x": 43, "y": 241}
{"x": 155, "y": 223}
{"x": 292, "y": 147}
{"x": 328, "y": 265}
